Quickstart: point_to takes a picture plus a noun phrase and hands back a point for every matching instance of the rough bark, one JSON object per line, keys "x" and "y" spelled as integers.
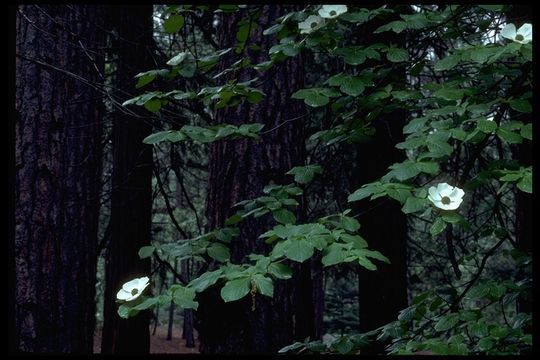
{"x": 131, "y": 202}
{"x": 58, "y": 156}
{"x": 239, "y": 169}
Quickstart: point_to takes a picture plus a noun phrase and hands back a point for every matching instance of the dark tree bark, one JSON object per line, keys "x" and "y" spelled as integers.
{"x": 239, "y": 170}
{"x": 382, "y": 293}
{"x": 58, "y": 157}
{"x": 131, "y": 203}
{"x": 171, "y": 321}
{"x": 518, "y": 15}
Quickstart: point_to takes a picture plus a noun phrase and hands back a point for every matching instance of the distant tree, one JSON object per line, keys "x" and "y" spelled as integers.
{"x": 59, "y": 69}
{"x": 131, "y": 203}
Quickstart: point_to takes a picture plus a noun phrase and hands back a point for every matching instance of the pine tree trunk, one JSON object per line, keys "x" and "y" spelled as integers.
{"x": 131, "y": 203}
{"x": 58, "y": 157}
{"x": 239, "y": 169}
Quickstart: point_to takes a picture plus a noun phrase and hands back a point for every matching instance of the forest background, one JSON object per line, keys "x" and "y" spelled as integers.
{"x": 278, "y": 173}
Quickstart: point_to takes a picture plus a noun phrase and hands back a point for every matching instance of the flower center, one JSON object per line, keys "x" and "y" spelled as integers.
{"x": 445, "y": 200}
{"x": 134, "y": 291}
{"x": 519, "y": 37}
{"x": 313, "y": 25}
{"x": 333, "y": 13}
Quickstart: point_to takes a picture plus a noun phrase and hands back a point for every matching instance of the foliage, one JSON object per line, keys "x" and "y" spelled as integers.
{"x": 469, "y": 107}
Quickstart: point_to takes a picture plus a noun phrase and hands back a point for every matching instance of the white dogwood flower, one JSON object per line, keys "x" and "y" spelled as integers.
{"x": 332, "y": 11}
{"x": 445, "y": 196}
{"x": 132, "y": 289}
{"x": 523, "y": 35}
{"x": 312, "y": 23}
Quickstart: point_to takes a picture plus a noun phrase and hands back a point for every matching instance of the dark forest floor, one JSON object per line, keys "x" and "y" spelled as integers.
{"x": 159, "y": 343}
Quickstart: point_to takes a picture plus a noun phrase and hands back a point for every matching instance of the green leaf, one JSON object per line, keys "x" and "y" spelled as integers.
{"x": 409, "y": 169}
{"x": 145, "y": 79}
{"x": 357, "y": 241}
{"x": 156, "y": 137}
{"x": 176, "y": 136}
{"x": 353, "y": 86}
{"x": 173, "y": 23}
{"x": 438, "y": 226}
{"x": 521, "y": 105}
{"x": 264, "y": 285}
{"x": 438, "y": 147}
{"x": 447, "y": 63}
{"x": 511, "y": 176}
{"x": 452, "y": 217}
{"x": 184, "y": 297}
{"x": 525, "y": 184}
{"x": 153, "y": 105}
{"x": 273, "y": 29}
{"x": 343, "y": 345}
{"x": 146, "y": 304}
{"x": 372, "y": 254}
{"x": 447, "y": 322}
{"x": 417, "y": 68}
{"x": 356, "y": 17}
{"x": 235, "y": 289}
{"x": 254, "y": 96}
{"x": 315, "y": 97}
{"x": 415, "y": 125}
{"x": 397, "y": 55}
{"x": 350, "y": 85}
{"x": 146, "y": 251}
{"x": 395, "y": 26}
{"x": 304, "y": 174}
{"x": 486, "y": 126}
{"x": 413, "y": 204}
{"x": 178, "y": 58}
{"x": 449, "y": 93}
{"x": 284, "y": 216}
{"x": 348, "y": 223}
{"x": 352, "y": 55}
{"x": 366, "y": 263}
{"x": 205, "y": 280}
{"x": 219, "y": 252}
{"x": 485, "y": 343}
{"x": 509, "y": 136}
{"x": 235, "y": 219}
{"x": 364, "y": 192}
{"x": 495, "y": 8}
{"x": 287, "y": 348}
{"x": 243, "y": 32}
{"x": 408, "y": 313}
{"x": 526, "y": 131}
{"x": 123, "y": 311}
{"x": 298, "y": 250}
{"x": 478, "y": 291}
{"x": 333, "y": 254}
{"x": 279, "y": 270}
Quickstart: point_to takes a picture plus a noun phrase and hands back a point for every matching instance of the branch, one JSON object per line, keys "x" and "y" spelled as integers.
{"x": 168, "y": 204}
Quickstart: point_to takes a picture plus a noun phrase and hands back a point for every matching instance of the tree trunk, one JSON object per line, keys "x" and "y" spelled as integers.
{"x": 58, "y": 157}
{"x": 518, "y": 15}
{"x": 131, "y": 203}
{"x": 382, "y": 293}
{"x": 187, "y": 327}
{"x": 239, "y": 169}
{"x": 171, "y": 321}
